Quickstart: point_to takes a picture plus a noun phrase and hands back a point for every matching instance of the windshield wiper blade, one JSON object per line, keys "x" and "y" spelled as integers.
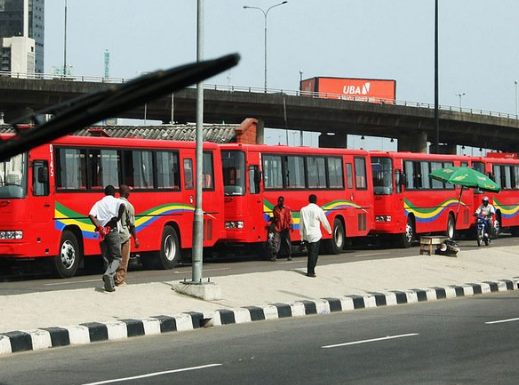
{"x": 115, "y": 99}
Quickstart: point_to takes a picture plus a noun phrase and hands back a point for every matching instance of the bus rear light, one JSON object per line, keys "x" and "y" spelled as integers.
{"x": 383, "y": 218}
{"x": 234, "y": 225}
{"x": 11, "y": 234}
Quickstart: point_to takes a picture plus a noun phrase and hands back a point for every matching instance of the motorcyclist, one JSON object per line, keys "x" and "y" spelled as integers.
{"x": 488, "y": 211}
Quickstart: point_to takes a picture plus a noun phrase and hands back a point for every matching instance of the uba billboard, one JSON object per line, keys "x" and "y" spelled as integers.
{"x": 369, "y": 90}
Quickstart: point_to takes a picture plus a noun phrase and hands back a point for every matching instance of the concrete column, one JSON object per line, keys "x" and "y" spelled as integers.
{"x": 260, "y": 132}
{"x": 339, "y": 140}
{"x": 414, "y": 143}
{"x": 11, "y": 116}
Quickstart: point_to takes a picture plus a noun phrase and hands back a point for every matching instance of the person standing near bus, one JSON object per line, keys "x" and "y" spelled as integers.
{"x": 310, "y": 221}
{"x": 283, "y": 225}
{"x": 105, "y": 215}
{"x": 126, "y": 233}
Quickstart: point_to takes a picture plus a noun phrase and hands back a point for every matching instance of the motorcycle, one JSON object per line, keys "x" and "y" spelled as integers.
{"x": 483, "y": 232}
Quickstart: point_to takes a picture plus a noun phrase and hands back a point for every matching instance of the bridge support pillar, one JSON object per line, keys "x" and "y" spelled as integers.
{"x": 339, "y": 140}
{"x": 414, "y": 142}
{"x": 260, "y": 132}
{"x": 16, "y": 115}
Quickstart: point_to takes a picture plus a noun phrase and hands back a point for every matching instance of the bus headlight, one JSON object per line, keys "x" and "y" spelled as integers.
{"x": 11, "y": 234}
{"x": 234, "y": 225}
{"x": 383, "y": 218}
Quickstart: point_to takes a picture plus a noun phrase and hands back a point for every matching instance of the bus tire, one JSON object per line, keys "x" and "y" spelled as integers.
{"x": 66, "y": 263}
{"x": 169, "y": 254}
{"x": 336, "y": 243}
{"x": 451, "y": 227}
{"x": 405, "y": 240}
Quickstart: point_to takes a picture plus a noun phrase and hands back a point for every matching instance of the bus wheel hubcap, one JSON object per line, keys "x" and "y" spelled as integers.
{"x": 68, "y": 255}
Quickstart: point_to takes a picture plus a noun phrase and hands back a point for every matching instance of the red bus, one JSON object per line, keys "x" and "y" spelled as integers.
{"x": 408, "y": 202}
{"x": 46, "y": 195}
{"x": 504, "y": 170}
{"x": 256, "y": 175}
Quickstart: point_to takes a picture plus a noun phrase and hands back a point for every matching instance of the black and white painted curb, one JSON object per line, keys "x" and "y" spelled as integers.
{"x": 28, "y": 340}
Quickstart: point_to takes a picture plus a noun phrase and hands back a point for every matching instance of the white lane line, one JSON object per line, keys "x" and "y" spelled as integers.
{"x": 502, "y": 321}
{"x": 153, "y": 374}
{"x": 70, "y": 282}
{"x": 373, "y": 254}
{"x": 371, "y": 340}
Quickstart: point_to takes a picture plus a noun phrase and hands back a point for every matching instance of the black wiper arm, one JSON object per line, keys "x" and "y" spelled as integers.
{"x": 99, "y": 105}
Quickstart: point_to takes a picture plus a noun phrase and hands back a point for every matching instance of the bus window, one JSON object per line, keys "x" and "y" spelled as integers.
{"x": 349, "y": 175}
{"x": 360, "y": 174}
{"x": 335, "y": 174}
{"x": 316, "y": 172}
{"x": 168, "y": 174}
{"x": 515, "y": 177}
{"x": 207, "y": 172}
{"x": 382, "y": 170}
{"x": 188, "y": 174}
{"x": 139, "y": 168}
{"x": 40, "y": 178}
{"x": 13, "y": 177}
{"x": 273, "y": 171}
{"x": 104, "y": 166}
{"x": 233, "y": 165}
{"x": 436, "y": 184}
{"x": 71, "y": 169}
{"x": 254, "y": 179}
{"x": 296, "y": 172}
{"x": 424, "y": 172}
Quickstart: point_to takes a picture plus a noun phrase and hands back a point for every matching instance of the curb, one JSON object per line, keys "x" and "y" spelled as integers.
{"x": 38, "y": 339}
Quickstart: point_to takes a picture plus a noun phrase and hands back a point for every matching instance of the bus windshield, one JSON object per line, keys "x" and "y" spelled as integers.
{"x": 233, "y": 163}
{"x": 382, "y": 168}
{"x": 13, "y": 177}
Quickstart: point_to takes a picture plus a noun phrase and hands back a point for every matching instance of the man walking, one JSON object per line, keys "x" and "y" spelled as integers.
{"x": 283, "y": 225}
{"x": 126, "y": 233}
{"x": 105, "y": 214}
{"x": 310, "y": 230}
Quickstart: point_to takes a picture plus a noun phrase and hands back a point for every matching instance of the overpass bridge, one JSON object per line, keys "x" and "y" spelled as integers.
{"x": 412, "y": 124}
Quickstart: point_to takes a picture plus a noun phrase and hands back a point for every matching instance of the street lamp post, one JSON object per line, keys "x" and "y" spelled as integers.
{"x": 515, "y": 98}
{"x": 436, "y": 87}
{"x": 265, "y": 14}
{"x": 65, "y": 44}
{"x": 460, "y": 95}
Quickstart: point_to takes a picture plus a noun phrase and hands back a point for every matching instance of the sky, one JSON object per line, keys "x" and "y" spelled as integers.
{"x": 378, "y": 39}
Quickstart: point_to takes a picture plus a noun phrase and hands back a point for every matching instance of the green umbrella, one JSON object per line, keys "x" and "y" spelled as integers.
{"x": 465, "y": 177}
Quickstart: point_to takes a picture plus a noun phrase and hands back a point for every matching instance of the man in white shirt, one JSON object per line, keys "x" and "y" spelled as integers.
{"x": 105, "y": 215}
{"x": 310, "y": 230}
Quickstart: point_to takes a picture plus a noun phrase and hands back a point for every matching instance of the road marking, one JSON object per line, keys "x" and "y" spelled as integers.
{"x": 502, "y": 321}
{"x": 70, "y": 282}
{"x": 373, "y": 254}
{"x": 371, "y": 340}
{"x": 153, "y": 374}
{"x": 217, "y": 269}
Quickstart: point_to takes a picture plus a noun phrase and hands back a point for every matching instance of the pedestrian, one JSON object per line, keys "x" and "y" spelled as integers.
{"x": 310, "y": 229}
{"x": 105, "y": 215}
{"x": 283, "y": 225}
{"x": 125, "y": 234}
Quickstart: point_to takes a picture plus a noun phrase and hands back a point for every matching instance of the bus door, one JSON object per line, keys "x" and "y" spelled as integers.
{"x": 362, "y": 198}
{"x": 212, "y": 200}
{"x": 41, "y": 208}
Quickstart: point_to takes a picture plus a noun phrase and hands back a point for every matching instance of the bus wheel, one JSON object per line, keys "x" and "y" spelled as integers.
{"x": 336, "y": 244}
{"x": 65, "y": 265}
{"x": 169, "y": 254}
{"x": 450, "y": 227}
{"x": 405, "y": 240}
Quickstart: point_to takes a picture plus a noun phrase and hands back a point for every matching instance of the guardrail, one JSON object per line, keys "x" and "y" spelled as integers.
{"x": 230, "y": 88}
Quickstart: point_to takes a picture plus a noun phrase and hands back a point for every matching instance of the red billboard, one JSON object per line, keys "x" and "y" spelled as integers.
{"x": 369, "y": 90}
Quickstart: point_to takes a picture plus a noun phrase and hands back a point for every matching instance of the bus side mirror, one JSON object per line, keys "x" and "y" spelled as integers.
{"x": 43, "y": 175}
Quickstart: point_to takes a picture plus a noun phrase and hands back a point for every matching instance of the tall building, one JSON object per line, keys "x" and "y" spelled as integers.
{"x": 24, "y": 18}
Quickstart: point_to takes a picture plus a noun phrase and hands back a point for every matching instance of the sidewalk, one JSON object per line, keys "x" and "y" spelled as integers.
{"x": 144, "y": 303}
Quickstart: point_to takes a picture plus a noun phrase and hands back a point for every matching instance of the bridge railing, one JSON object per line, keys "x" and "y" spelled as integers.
{"x": 307, "y": 94}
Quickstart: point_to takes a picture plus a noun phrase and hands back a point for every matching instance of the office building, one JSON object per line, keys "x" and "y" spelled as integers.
{"x": 23, "y": 18}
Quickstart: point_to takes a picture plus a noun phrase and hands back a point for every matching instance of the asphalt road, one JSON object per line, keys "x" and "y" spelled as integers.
{"x": 18, "y": 281}
{"x": 463, "y": 341}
